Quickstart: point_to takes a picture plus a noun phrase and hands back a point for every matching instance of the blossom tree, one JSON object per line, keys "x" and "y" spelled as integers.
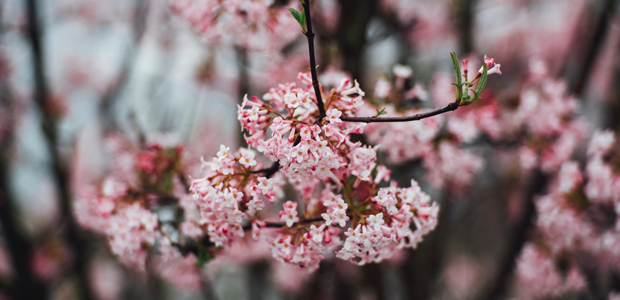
{"x": 362, "y": 169}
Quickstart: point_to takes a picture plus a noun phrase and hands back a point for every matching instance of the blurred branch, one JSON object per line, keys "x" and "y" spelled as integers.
{"x": 244, "y": 83}
{"x": 207, "y": 288}
{"x": 578, "y": 81}
{"x": 465, "y": 22}
{"x": 355, "y": 16}
{"x": 112, "y": 94}
{"x": 612, "y": 105}
{"x": 60, "y": 172}
{"x": 537, "y": 181}
{"x": 25, "y": 285}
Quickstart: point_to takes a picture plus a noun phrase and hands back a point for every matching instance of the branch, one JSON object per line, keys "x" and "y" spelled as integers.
{"x": 315, "y": 78}
{"x": 113, "y": 92}
{"x": 268, "y": 171}
{"x": 191, "y": 246}
{"x": 536, "y": 184}
{"x": 277, "y": 225}
{"x": 465, "y": 18}
{"x": 598, "y": 34}
{"x": 25, "y": 284}
{"x": 60, "y": 172}
{"x": 450, "y": 107}
{"x": 275, "y": 167}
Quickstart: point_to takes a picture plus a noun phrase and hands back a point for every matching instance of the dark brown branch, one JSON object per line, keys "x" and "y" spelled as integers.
{"x": 277, "y": 224}
{"x": 72, "y": 233}
{"x": 244, "y": 84}
{"x": 350, "y": 36}
{"x": 536, "y": 184}
{"x": 315, "y": 78}
{"x": 191, "y": 246}
{"x": 465, "y": 21}
{"x": 268, "y": 171}
{"x": 25, "y": 284}
{"x": 450, "y": 107}
{"x": 596, "y": 41}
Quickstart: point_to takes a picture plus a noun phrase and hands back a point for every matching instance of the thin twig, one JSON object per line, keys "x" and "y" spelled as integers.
{"x": 450, "y": 107}
{"x": 315, "y": 77}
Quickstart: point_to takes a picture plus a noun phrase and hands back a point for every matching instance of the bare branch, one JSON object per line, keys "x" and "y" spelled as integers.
{"x": 450, "y": 107}
{"x": 315, "y": 78}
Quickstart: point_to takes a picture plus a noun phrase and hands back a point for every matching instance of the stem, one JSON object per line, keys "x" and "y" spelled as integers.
{"x": 315, "y": 78}
{"x": 450, "y": 107}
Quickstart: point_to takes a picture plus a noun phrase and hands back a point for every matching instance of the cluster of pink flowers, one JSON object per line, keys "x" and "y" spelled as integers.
{"x": 377, "y": 239}
{"x": 567, "y": 222}
{"x": 129, "y": 209}
{"x": 545, "y": 114}
{"x": 228, "y": 193}
{"x": 322, "y": 148}
{"x": 129, "y": 227}
{"x": 447, "y": 165}
{"x": 316, "y": 155}
{"x": 253, "y": 24}
{"x": 175, "y": 268}
{"x": 604, "y": 182}
{"x": 538, "y": 277}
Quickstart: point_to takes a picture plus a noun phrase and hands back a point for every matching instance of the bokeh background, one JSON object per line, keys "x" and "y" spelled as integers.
{"x": 74, "y": 73}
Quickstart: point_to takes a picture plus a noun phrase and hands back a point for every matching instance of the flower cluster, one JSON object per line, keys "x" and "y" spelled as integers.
{"x": 377, "y": 236}
{"x": 434, "y": 140}
{"x": 128, "y": 225}
{"x": 574, "y": 219}
{"x": 253, "y": 24}
{"x": 228, "y": 193}
{"x": 129, "y": 208}
{"x": 538, "y": 276}
{"x": 315, "y": 153}
{"x": 545, "y": 114}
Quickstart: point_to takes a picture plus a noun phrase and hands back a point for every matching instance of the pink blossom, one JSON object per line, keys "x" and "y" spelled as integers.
{"x": 601, "y": 142}
{"x": 334, "y": 116}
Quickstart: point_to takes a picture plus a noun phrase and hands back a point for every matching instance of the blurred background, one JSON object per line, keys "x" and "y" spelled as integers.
{"x": 78, "y": 78}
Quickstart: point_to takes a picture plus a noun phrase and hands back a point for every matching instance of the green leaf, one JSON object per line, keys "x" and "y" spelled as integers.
{"x": 482, "y": 82}
{"x": 381, "y": 112}
{"x": 350, "y": 181}
{"x": 300, "y": 17}
{"x": 168, "y": 183}
{"x": 303, "y": 21}
{"x": 203, "y": 255}
{"x": 295, "y": 14}
{"x": 478, "y": 91}
{"x": 457, "y": 72}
